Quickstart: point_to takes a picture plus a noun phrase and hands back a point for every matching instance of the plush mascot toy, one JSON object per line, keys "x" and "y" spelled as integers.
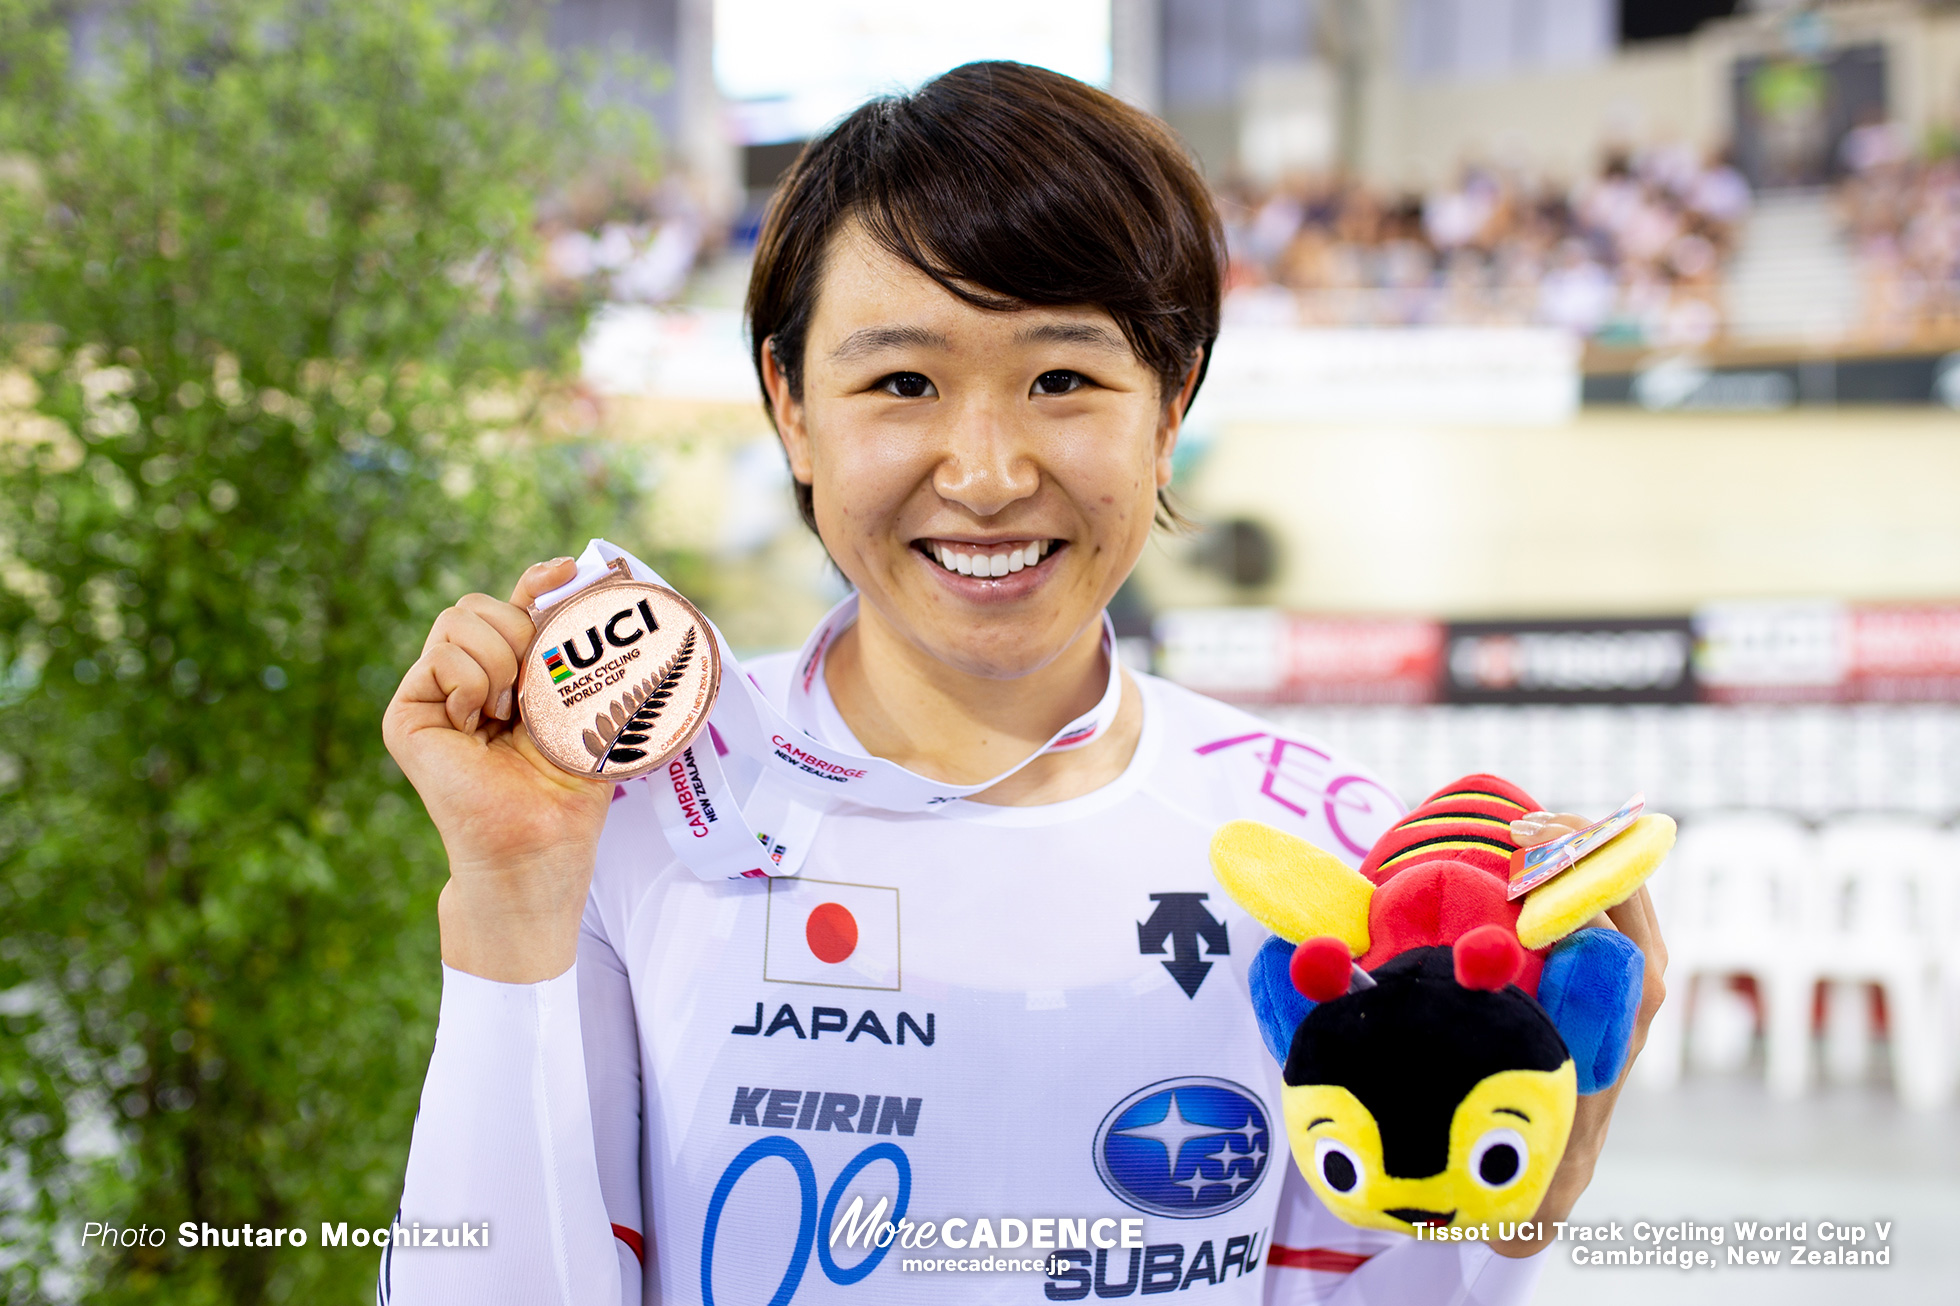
{"x": 1434, "y": 1034}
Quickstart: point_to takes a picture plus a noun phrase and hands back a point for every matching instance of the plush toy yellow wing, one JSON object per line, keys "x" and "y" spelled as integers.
{"x": 1291, "y": 887}
{"x": 1604, "y": 879}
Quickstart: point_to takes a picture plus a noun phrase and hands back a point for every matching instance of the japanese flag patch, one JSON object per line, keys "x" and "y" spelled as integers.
{"x": 830, "y": 933}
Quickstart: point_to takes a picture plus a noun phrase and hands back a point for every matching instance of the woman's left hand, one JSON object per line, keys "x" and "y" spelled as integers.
{"x": 1634, "y": 918}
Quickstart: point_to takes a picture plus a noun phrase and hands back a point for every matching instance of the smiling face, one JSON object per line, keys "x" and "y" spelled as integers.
{"x": 985, "y": 478}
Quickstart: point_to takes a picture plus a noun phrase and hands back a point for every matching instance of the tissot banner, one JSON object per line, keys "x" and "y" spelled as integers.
{"x": 1642, "y": 660}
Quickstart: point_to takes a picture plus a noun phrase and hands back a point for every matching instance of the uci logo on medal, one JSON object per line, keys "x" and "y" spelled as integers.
{"x": 1185, "y": 1148}
{"x": 554, "y": 662}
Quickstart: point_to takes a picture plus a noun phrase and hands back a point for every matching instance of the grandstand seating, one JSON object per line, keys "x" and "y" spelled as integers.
{"x": 1658, "y": 250}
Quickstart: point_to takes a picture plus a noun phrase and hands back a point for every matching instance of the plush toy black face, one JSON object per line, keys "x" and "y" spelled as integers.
{"x": 1421, "y": 1101}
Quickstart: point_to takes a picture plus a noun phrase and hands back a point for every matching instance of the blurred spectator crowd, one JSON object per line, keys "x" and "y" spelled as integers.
{"x": 1632, "y": 256}
{"x": 1901, "y": 215}
{"x": 623, "y": 238}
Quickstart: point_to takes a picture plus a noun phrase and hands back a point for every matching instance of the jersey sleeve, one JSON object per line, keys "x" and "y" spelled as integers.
{"x": 530, "y": 1124}
{"x": 612, "y": 1079}
{"x": 1317, "y": 1260}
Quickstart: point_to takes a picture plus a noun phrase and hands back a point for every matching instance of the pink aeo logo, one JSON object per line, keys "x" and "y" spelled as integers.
{"x": 1356, "y": 808}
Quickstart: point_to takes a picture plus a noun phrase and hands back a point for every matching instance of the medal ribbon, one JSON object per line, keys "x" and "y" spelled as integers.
{"x": 802, "y": 777}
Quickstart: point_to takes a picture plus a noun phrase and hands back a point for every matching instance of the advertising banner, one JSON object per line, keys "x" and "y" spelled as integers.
{"x": 1444, "y": 376}
{"x": 1237, "y": 654}
{"x": 1640, "y": 660}
{"x": 1751, "y": 651}
{"x": 1905, "y": 653}
{"x": 1739, "y": 651}
{"x": 1262, "y": 655}
{"x": 1361, "y": 660}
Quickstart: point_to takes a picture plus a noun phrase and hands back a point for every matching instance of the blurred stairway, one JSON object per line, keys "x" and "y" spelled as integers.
{"x": 1793, "y": 278}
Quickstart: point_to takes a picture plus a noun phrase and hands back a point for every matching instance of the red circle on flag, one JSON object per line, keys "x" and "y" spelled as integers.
{"x": 832, "y": 931}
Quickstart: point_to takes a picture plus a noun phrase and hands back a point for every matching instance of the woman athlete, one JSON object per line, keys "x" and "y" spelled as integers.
{"x": 999, "y": 1050}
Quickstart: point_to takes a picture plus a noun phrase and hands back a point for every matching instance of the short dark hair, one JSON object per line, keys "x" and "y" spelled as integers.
{"x": 1010, "y": 186}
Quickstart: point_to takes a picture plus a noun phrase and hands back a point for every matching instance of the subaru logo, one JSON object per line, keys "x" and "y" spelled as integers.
{"x": 1185, "y": 1148}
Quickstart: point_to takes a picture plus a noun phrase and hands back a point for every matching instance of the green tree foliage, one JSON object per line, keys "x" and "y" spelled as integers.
{"x": 271, "y": 394}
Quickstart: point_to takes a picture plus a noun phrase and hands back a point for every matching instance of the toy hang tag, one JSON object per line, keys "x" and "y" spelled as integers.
{"x": 1531, "y": 867}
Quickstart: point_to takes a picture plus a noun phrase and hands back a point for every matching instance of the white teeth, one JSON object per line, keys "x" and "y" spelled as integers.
{"x": 989, "y": 564}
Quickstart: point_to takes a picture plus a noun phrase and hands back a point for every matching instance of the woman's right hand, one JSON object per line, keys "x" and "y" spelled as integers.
{"x": 521, "y": 834}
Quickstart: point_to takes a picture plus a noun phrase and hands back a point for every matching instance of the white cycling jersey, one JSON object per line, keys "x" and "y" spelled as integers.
{"x": 1024, "y": 1027}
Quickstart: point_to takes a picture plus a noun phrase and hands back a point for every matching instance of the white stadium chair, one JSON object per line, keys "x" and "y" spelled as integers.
{"x": 1728, "y": 899}
{"x": 1872, "y": 911}
{"x": 1945, "y": 904}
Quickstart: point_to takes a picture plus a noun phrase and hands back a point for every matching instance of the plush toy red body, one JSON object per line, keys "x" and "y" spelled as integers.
{"x": 1441, "y": 880}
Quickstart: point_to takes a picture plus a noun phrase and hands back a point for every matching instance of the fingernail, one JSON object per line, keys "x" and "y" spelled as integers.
{"x": 558, "y": 562}
{"x": 503, "y": 706}
{"x": 469, "y": 726}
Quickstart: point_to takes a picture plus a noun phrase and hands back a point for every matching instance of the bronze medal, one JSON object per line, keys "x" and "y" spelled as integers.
{"x": 619, "y": 678}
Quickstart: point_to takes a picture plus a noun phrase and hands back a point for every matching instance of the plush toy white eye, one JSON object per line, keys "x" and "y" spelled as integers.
{"x": 1498, "y": 1159}
{"x": 1338, "y": 1165}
